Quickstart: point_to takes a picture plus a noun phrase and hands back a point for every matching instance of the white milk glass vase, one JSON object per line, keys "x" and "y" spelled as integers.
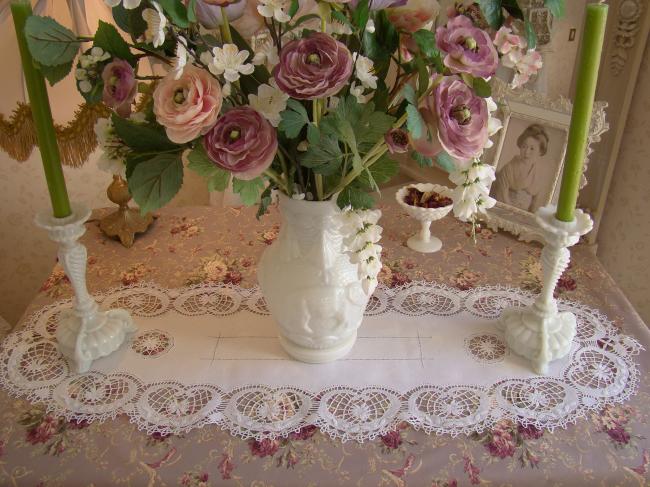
{"x": 311, "y": 286}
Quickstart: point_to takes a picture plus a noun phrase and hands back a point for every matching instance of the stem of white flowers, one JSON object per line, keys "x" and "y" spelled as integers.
{"x": 318, "y": 178}
{"x": 225, "y": 26}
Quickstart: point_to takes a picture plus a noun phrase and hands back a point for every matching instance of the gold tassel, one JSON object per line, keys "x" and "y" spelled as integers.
{"x": 76, "y": 140}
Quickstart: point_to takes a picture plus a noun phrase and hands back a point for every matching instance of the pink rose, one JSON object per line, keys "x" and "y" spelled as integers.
{"x": 460, "y": 118}
{"x": 187, "y": 107}
{"x": 120, "y": 86}
{"x": 414, "y": 15}
{"x": 313, "y": 67}
{"x": 468, "y": 48}
{"x": 242, "y": 142}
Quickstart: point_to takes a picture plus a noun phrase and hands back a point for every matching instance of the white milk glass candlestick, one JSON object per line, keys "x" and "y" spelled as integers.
{"x": 84, "y": 333}
{"x": 540, "y": 332}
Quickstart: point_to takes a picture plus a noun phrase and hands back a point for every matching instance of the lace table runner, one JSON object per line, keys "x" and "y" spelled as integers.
{"x": 426, "y": 354}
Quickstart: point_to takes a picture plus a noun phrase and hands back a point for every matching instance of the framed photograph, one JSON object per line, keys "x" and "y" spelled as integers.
{"x": 529, "y": 154}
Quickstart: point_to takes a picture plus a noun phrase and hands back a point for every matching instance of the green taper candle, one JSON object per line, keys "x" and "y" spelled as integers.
{"x": 41, "y": 114}
{"x": 592, "y": 46}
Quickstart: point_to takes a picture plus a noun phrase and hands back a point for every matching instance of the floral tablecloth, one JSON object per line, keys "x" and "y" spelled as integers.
{"x": 195, "y": 245}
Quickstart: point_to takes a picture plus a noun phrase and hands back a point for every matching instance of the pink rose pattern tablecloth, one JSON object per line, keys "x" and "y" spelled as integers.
{"x": 195, "y": 245}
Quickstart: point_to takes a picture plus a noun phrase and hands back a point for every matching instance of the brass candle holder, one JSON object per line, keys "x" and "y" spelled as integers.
{"x": 125, "y": 222}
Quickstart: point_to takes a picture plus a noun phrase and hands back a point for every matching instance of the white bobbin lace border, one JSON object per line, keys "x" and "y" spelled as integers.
{"x": 601, "y": 371}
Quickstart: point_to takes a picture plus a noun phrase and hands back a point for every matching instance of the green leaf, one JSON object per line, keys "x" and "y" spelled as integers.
{"x": 341, "y": 18}
{"x": 293, "y": 9}
{"x": 49, "y": 42}
{"x": 132, "y": 161}
{"x": 423, "y": 76}
{"x": 313, "y": 134}
{"x": 200, "y": 163}
{"x": 303, "y": 19}
{"x": 360, "y": 15}
{"x": 382, "y": 171}
{"x": 426, "y": 42}
{"x": 109, "y": 39}
{"x": 531, "y": 36}
{"x": 155, "y": 182}
{"x": 446, "y": 162}
{"x": 513, "y": 8}
{"x": 492, "y": 12}
{"x": 325, "y": 157}
{"x": 248, "y": 191}
{"x": 371, "y": 126}
{"x": 265, "y": 201}
{"x": 481, "y": 87}
{"x": 176, "y": 11}
{"x": 130, "y": 20}
{"x": 293, "y": 119}
{"x": 141, "y": 137}
{"x": 357, "y": 198}
{"x": 423, "y": 161}
{"x": 414, "y": 122}
{"x": 380, "y": 45}
{"x": 556, "y": 7}
{"x": 54, "y": 74}
{"x": 408, "y": 92}
{"x": 191, "y": 11}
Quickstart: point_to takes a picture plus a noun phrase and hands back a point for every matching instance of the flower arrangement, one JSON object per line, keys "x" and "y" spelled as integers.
{"x": 317, "y": 99}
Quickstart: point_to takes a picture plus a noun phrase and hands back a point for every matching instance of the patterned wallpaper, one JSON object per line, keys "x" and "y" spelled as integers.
{"x": 624, "y": 237}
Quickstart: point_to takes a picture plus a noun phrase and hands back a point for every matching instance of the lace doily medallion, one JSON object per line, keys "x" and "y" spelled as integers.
{"x": 426, "y": 354}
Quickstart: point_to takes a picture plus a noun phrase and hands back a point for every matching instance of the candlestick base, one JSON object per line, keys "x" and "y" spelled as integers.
{"x": 84, "y": 333}
{"x": 125, "y": 222}
{"x": 539, "y": 332}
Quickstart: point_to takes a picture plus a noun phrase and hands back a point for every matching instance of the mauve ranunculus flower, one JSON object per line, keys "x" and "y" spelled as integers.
{"x": 397, "y": 141}
{"x": 468, "y": 48}
{"x": 120, "y": 86}
{"x": 381, "y": 4}
{"x": 313, "y": 67}
{"x": 189, "y": 106}
{"x": 209, "y": 14}
{"x": 460, "y": 118}
{"x": 414, "y": 15}
{"x": 242, "y": 142}
{"x": 219, "y": 3}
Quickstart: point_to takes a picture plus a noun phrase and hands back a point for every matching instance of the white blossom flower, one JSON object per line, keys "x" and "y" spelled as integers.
{"x": 230, "y": 61}
{"x": 363, "y": 70}
{"x": 264, "y": 50}
{"x": 370, "y": 26}
{"x": 338, "y": 28}
{"x": 274, "y": 9}
{"x": 111, "y": 159}
{"x": 494, "y": 123}
{"x": 156, "y": 23}
{"x": 226, "y": 89}
{"x": 270, "y": 101}
{"x": 128, "y": 4}
{"x": 92, "y": 58}
{"x": 181, "y": 58}
{"x": 361, "y": 236}
{"x": 357, "y": 92}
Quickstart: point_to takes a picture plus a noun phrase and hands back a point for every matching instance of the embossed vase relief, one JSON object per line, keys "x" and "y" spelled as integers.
{"x": 312, "y": 288}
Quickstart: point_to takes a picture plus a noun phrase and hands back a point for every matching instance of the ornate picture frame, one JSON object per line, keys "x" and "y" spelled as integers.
{"x": 519, "y": 111}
